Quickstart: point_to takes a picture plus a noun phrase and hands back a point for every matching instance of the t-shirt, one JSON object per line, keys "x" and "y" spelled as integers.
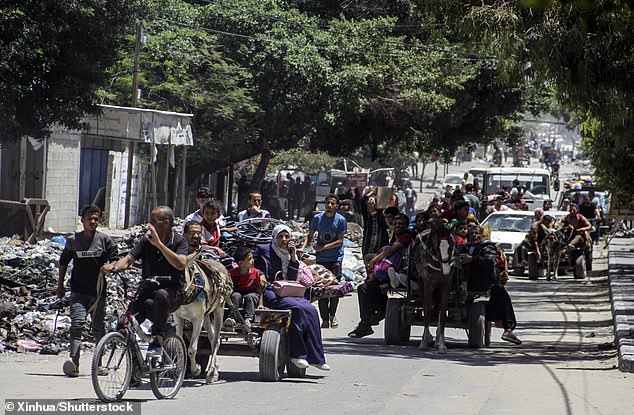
{"x": 154, "y": 264}
{"x": 196, "y": 216}
{"x": 88, "y": 256}
{"x": 247, "y": 214}
{"x": 211, "y": 233}
{"x": 328, "y": 230}
{"x": 245, "y": 284}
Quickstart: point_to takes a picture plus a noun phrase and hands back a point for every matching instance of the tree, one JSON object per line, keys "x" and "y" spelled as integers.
{"x": 53, "y": 57}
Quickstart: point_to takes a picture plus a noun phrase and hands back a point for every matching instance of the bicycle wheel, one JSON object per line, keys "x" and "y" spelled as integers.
{"x": 113, "y": 355}
{"x": 167, "y": 376}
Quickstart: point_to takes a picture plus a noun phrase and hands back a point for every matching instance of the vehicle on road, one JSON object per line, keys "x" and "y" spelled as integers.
{"x": 536, "y": 181}
{"x": 452, "y": 182}
{"x": 404, "y": 309}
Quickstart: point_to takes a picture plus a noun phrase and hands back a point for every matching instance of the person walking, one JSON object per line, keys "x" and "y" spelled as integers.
{"x": 331, "y": 228}
{"x": 89, "y": 250}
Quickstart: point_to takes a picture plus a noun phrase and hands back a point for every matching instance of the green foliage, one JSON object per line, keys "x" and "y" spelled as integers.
{"x": 53, "y": 57}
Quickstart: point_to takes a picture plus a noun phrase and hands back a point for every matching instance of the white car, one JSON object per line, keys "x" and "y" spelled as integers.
{"x": 453, "y": 181}
{"x": 509, "y": 227}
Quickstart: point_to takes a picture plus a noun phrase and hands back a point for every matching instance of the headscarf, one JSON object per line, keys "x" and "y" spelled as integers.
{"x": 284, "y": 255}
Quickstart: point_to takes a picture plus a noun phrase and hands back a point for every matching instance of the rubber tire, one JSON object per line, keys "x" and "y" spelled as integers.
{"x": 179, "y": 343}
{"x": 395, "y": 331}
{"x": 477, "y": 325}
{"x": 97, "y": 358}
{"x": 487, "y": 334}
{"x": 272, "y": 356}
{"x": 533, "y": 267}
{"x": 580, "y": 267}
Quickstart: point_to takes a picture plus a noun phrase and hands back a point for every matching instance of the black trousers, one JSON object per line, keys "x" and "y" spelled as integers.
{"x": 372, "y": 302}
{"x": 157, "y": 305}
{"x": 501, "y": 308}
{"x": 328, "y": 306}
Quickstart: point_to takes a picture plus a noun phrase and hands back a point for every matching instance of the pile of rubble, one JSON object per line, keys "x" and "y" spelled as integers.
{"x": 30, "y": 317}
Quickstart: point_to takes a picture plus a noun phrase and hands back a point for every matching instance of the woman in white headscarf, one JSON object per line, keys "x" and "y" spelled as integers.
{"x": 279, "y": 260}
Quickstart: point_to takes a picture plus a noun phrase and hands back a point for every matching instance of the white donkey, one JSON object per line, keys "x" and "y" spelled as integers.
{"x": 207, "y": 288}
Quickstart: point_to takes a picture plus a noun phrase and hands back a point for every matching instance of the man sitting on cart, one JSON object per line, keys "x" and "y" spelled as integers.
{"x": 372, "y": 299}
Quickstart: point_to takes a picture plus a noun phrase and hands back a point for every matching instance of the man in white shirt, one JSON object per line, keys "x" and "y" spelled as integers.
{"x": 255, "y": 208}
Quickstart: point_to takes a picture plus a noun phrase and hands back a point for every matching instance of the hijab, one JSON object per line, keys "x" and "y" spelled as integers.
{"x": 283, "y": 253}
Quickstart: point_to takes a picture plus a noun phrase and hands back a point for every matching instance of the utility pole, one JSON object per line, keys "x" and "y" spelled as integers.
{"x": 135, "y": 103}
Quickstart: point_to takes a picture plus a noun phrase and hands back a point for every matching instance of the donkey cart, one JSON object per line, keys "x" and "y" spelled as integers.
{"x": 405, "y": 309}
{"x": 266, "y": 339}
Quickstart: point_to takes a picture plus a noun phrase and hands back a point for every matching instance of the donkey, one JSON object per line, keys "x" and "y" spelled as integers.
{"x": 433, "y": 262}
{"x": 207, "y": 288}
{"x": 553, "y": 243}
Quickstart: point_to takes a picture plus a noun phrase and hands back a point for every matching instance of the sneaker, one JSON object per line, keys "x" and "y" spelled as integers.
{"x": 102, "y": 371}
{"x": 402, "y": 280}
{"x": 325, "y": 324}
{"x": 361, "y": 331}
{"x": 154, "y": 350}
{"x": 322, "y": 366}
{"x": 71, "y": 368}
{"x": 300, "y": 363}
{"x": 230, "y": 322}
{"x": 334, "y": 323}
{"x": 509, "y": 336}
{"x": 394, "y": 282}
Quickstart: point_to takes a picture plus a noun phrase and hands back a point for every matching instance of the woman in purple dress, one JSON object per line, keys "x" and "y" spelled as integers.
{"x": 280, "y": 259}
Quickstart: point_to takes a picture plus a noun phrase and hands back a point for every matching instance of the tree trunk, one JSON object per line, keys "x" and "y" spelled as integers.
{"x": 422, "y": 177}
{"x": 260, "y": 171}
{"x": 435, "y": 174}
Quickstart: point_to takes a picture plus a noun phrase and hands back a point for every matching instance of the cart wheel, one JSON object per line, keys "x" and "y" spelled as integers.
{"x": 395, "y": 331}
{"x": 487, "y": 334}
{"x": 272, "y": 356}
{"x": 533, "y": 267}
{"x": 477, "y": 325}
{"x": 294, "y": 371}
{"x": 580, "y": 267}
{"x": 112, "y": 354}
{"x": 166, "y": 377}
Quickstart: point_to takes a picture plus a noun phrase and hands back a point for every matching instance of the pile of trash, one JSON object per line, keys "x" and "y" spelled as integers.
{"x": 31, "y": 316}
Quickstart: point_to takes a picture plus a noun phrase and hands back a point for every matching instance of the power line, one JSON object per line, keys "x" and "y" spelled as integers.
{"x": 321, "y": 48}
{"x": 328, "y": 29}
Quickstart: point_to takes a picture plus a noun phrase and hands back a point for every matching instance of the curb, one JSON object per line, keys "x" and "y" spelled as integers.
{"x": 621, "y": 282}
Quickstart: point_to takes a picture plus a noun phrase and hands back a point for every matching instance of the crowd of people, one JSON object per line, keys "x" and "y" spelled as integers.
{"x": 387, "y": 235}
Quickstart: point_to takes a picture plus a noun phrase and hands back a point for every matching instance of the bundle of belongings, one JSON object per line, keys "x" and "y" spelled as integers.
{"x": 325, "y": 284}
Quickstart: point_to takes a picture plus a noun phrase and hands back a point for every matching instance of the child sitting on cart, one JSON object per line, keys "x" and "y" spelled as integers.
{"x": 248, "y": 285}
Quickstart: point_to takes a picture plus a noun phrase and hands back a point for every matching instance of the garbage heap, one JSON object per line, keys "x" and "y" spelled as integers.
{"x": 30, "y": 317}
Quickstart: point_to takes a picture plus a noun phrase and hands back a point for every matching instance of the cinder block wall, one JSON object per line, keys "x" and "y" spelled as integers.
{"x": 62, "y": 180}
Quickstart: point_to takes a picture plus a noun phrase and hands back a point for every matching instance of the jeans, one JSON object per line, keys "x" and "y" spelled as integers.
{"x": 250, "y": 303}
{"x": 328, "y": 306}
{"x": 79, "y": 305}
{"x": 156, "y": 304}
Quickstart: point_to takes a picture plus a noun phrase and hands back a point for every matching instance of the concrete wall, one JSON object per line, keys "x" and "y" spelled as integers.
{"x": 62, "y": 180}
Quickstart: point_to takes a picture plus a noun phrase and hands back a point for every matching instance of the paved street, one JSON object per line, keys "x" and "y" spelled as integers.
{"x": 565, "y": 366}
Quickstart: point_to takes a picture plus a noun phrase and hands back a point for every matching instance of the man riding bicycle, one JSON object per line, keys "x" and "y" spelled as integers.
{"x": 163, "y": 253}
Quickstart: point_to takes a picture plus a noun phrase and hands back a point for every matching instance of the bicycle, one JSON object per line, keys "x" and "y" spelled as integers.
{"x": 118, "y": 355}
